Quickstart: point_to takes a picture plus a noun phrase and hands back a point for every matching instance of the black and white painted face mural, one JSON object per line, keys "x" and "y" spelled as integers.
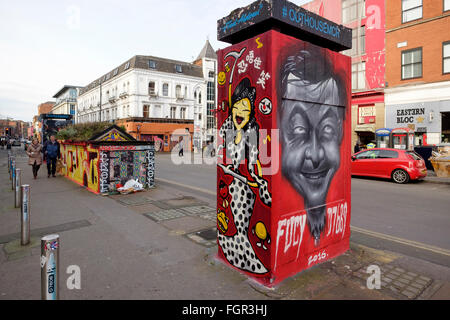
{"x": 311, "y": 119}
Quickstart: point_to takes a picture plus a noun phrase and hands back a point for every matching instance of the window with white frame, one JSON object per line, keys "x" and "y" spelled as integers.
{"x": 446, "y": 57}
{"x": 359, "y": 76}
{"x": 352, "y": 10}
{"x": 183, "y": 113}
{"x": 411, "y": 10}
{"x": 165, "y": 89}
{"x": 173, "y": 111}
{"x": 446, "y": 5}
{"x": 178, "y": 91}
{"x": 358, "y": 42}
{"x": 412, "y": 63}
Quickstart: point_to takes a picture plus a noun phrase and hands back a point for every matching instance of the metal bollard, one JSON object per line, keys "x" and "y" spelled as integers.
{"x": 13, "y": 173}
{"x": 50, "y": 267}
{"x": 17, "y": 188}
{"x": 25, "y": 214}
{"x": 9, "y": 162}
{"x": 10, "y": 166}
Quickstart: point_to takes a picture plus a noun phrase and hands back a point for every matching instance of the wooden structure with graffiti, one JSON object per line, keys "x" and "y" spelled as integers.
{"x": 107, "y": 159}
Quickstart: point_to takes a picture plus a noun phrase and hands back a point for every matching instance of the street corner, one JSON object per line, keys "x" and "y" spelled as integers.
{"x": 14, "y": 250}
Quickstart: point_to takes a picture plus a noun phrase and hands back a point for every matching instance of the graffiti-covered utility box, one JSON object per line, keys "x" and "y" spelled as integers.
{"x": 108, "y": 159}
{"x": 284, "y": 148}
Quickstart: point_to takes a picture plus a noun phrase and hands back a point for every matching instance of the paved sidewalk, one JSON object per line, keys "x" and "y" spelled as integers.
{"x": 159, "y": 244}
{"x": 431, "y": 177}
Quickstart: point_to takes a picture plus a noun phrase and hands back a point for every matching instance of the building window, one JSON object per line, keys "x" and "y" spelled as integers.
{"x": 353, "y": 10}
{"x": 358, "y": 42}
{"x": 411, "y": 10}
{"x": 151, "y": 88}
{"x": 446, "y": 5}
{"x": 178, "y": 68}
{"x": 446, "y": 57}
{"x": 165, "y": 89}
{"x": 210, "y": 116}
{"x": 146, "y": 111}
{"x": 127, "y": 65}
{"x": 199, "y": 116}
{"x": 211, "y": 74}
{"x": 152, "y": 64}
{"x": 115, "y": 72}
{"x": 173, "y": 111}
{"x": 211, "y": 91}
{"x": 412, "y": 63}
{"x": 183, "y": 113}
{"x": 359, "y": 76}
{"x": 178, "y": 91}
{"x": 199, "y": 97}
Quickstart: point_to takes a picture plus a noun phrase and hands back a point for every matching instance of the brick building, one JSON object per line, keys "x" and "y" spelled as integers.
{"x": 417, "y": 90}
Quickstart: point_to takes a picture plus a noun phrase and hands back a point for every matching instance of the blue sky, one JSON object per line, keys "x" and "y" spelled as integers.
{"x": 47, "y": 44}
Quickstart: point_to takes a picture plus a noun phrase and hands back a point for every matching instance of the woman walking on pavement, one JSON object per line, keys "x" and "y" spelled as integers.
{"x": 52, "y": 152}
{"x": 34, "y": 156}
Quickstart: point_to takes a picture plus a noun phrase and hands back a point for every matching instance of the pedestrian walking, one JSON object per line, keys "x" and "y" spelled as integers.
{"x": 34, "y": 156}
{"x": 180, "y": 153}
{"x": 52, "y": 153}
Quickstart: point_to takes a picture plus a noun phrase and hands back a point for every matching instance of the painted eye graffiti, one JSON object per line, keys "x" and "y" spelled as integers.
{"x": 299, "y": 130}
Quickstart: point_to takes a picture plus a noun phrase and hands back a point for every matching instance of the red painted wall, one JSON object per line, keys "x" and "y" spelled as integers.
{"x": 375, "y": 43}
{"x": 293, "y": 210}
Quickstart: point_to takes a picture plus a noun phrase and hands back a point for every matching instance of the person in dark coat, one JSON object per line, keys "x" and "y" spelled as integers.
{"x": 356, "y": 148}
{"x": 52, "y": 153}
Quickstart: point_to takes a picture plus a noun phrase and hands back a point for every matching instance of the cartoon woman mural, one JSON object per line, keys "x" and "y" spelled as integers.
{"x": 240, "y": 135}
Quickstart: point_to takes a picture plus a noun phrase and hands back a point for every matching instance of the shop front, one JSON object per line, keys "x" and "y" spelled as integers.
{"x": 367, "y": 116}
{"x": 426, "y": 119}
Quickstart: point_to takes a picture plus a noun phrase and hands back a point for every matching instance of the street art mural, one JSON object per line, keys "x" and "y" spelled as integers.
{"x": 118, "y": 165}
{"x": 283, "y": 179}
{"x": 79, "y": 164}
{"x": 108, "y": 159}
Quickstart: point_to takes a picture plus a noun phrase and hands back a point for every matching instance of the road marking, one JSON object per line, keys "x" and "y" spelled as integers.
{"x": 187, "y": 186}
{"x": 411, "y": 243}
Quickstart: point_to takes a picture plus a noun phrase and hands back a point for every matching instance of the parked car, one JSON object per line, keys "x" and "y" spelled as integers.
{"x": 399, "y": 165}
{"x": 16, "y": 143}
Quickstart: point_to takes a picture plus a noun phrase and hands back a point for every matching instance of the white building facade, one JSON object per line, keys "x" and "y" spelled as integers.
{"x": 66, "y": 101}
{"x": 155, "y": 88}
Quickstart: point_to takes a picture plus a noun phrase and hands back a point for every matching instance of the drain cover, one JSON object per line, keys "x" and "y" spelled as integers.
{"x": 208, "y": 234}
{"x": 207, "y": 237}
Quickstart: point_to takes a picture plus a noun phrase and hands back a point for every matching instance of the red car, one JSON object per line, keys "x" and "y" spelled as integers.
{"x": 398, "y": 165}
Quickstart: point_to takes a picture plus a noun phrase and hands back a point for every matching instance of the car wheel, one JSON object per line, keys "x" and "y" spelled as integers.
{"x": 400, "y": 176}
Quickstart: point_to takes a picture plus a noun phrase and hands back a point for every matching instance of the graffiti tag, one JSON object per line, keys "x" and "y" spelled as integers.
{"x": 104, "y": 172}
{"x": 293, "y": 229}
{"x": 337, "y": 219}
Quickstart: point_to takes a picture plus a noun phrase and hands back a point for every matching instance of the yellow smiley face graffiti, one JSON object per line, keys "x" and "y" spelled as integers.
{"x": 221, "y": 78}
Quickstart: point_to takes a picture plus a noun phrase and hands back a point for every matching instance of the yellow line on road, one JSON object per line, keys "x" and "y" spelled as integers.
{"x": 411, "y": 243}
{"x": 187, "y": 186}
